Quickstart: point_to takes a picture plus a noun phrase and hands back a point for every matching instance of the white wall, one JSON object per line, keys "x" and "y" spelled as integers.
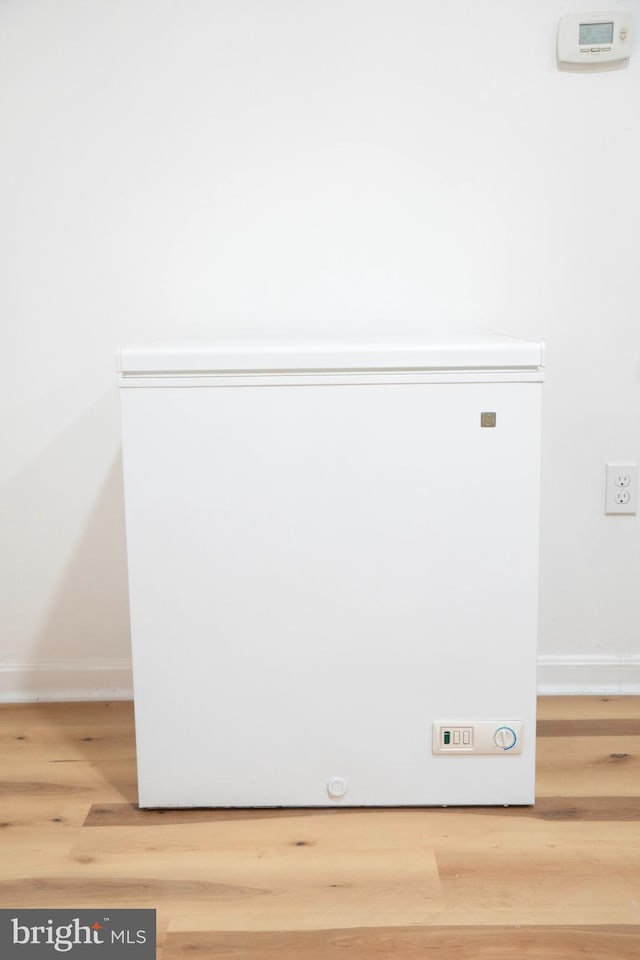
{"x": 194, "y": 167}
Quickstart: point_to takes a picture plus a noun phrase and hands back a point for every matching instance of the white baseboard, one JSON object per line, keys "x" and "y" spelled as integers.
{"x": 584, "y": 674}
{"x": 569, "y": 674}
{"x": 50, "y": 680}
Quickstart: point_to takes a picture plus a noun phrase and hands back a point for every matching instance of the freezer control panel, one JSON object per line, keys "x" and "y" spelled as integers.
{"x": 486, "y": 737}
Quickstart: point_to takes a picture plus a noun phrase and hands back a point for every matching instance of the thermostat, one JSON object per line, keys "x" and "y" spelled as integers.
{"x": 594, "y": 38}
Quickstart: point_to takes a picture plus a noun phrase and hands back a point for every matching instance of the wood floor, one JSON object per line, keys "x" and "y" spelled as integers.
{"x": 558, "y": 880}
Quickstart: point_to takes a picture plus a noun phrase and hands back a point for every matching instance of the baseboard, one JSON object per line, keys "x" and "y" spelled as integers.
{"x": 568, "y": 674}
{"x": 65, "y": 680}
{"x": 584, "y": 674}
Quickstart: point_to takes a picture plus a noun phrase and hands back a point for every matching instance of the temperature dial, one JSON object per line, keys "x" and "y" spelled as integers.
{"x": 505, "y": 738}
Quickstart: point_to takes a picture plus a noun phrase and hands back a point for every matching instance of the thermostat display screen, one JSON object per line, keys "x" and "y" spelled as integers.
{"x": 595, "y": 33}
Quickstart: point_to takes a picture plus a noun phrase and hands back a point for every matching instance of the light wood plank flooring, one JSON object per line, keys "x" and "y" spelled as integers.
{"x": 558, "y": 880}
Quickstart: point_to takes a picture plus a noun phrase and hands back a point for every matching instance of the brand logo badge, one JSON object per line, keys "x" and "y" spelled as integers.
{"x": 488, "y": 418}
{"x": 79, "y": 934}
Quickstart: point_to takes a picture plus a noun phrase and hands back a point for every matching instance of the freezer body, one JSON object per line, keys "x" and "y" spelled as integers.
{"x": 323, "y": 564}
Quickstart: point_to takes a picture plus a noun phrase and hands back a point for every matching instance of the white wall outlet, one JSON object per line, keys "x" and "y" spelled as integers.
{"x": 621, "y": 488}
{"x": 488, "y": 737}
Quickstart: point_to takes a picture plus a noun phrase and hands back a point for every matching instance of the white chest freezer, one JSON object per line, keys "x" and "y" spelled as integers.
{"x": 333, "y": 555}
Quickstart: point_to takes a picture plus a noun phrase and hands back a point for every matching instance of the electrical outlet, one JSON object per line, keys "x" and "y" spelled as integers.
{"x": 621, "y": 488}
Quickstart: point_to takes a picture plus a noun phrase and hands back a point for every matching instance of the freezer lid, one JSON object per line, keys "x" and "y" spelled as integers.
{"x": 477, "y": 351}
